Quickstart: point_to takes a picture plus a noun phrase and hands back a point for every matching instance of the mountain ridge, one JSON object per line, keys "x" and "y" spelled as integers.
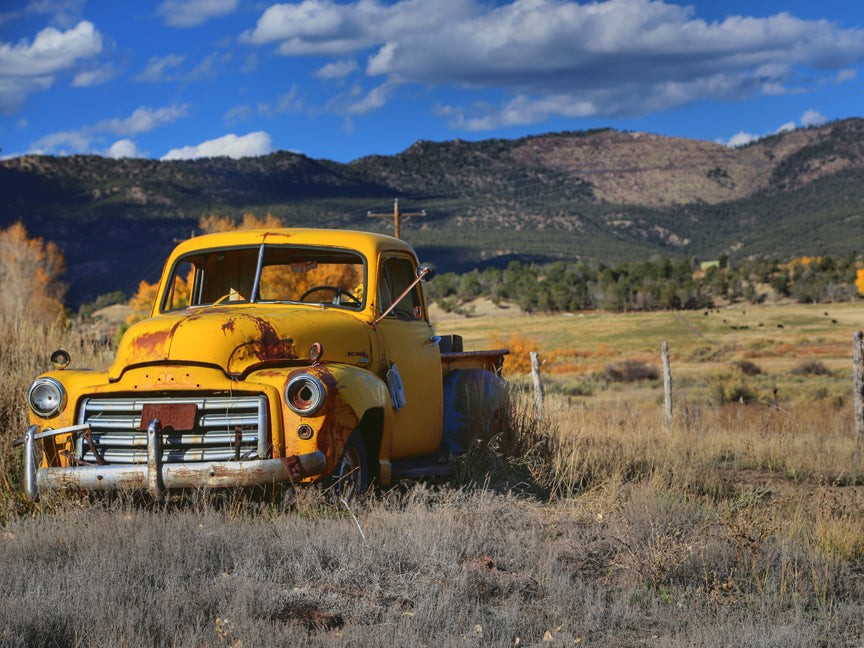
{"x": 602, "y": 194}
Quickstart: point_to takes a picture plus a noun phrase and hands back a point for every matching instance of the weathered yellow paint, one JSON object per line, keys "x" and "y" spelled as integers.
{"x": 242, "y": 338}
{"x": 242, "y": 348}
{"x": 256, "y": 348}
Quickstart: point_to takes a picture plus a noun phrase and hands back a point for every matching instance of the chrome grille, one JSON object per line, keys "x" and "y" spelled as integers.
{"x": 226, "y": 428}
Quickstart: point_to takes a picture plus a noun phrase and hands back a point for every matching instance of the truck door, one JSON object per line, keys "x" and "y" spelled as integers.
{"x": 405, "y": 339}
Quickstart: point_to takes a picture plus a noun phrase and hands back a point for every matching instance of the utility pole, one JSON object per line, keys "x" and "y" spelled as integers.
{"x": 397, "y": 216}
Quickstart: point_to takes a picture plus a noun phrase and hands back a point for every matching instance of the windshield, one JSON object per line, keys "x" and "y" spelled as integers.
{"x": 267, "y": 273}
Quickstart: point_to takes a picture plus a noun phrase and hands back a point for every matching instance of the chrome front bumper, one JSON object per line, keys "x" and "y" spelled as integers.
{"x": 156, "y": 476}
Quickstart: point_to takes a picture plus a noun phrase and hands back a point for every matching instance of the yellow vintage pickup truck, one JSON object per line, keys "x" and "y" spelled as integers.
{"x": 280, "y": 355}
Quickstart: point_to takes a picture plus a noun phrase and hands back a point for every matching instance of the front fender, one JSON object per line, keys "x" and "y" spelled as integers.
{"x": 369, "y": 398}
{"x": 361, "y": 389}
{"x": 353, "y": 395}
{"x": 366, "y": 393}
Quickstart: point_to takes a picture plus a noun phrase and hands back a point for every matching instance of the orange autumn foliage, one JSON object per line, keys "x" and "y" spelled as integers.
{"x": 859, "y": 281}
{"x": 30, "y": 271}
{"x": 142, "y": 301}
{"x": 215, "y": 223}
{"x": 519, "y": 360}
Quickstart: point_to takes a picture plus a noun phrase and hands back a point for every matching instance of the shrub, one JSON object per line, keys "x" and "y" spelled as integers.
{"x": 748, "y": 368}
{"x": 518, "y": 363}
{"x": 630, "y": 371}
{"x": 732, "y": 387}
{"x": 811, "y": 368}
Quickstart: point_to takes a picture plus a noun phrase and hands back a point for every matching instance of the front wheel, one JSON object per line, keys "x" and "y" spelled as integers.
{"x": 350, "y": 479}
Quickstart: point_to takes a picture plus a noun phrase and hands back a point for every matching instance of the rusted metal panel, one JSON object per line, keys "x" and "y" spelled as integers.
{"x": 174, "y": 476}
{"x": 491, "y": 360}
{"x": 177, "y": 416}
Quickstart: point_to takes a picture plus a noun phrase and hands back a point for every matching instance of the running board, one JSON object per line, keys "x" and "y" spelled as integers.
{"x": 431, "y": 466}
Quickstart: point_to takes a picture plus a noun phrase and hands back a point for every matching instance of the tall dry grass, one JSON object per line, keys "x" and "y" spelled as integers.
{"x": 739, "y": 525}
{"x": 25, "y": 351}
{"x": 625, "y": 564}
{"x": 706, "y": 448}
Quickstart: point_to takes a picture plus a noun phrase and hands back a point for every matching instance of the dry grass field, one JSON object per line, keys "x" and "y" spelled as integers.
{"x": 741, "y": 524}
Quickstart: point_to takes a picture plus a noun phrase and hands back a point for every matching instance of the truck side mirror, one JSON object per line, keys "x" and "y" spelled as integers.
{"x": 426, "y": 271}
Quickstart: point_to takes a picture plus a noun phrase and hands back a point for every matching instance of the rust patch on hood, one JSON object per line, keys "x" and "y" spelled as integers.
{"x": 228, "y": 327}
{"x": 267, "y": 346}
{"x": 155, "y": 343}
{"x": 152, "y": 343}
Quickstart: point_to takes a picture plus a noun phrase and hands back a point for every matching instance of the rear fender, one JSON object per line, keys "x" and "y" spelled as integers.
{"x": 474, "y": 400}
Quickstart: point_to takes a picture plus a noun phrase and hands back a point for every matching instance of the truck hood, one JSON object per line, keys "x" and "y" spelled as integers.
{"x": 239, "y": 338}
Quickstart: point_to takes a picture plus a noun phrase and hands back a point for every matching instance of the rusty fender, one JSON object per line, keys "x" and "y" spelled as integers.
{"x": 362, "y": 390}
{"x": 359, "y": 388}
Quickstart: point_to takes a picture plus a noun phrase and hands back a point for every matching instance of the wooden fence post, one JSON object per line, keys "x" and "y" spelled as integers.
{"x": 858, "y": 385}
{"x": 538, "y": 383}
{"x": 667, "y": 385}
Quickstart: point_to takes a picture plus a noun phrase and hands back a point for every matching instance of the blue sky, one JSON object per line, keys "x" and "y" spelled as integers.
{"x": 344, "y": 79}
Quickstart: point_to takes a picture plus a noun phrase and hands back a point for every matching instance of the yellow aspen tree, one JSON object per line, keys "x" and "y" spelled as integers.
{"x": 30, "y": 272}
{"x": 142, "y": 301}
{"x": 859, "y": 281}
{"x": 214, "y": 223}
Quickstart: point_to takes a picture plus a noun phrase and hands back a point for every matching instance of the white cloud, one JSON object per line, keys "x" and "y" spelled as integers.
{"x": 14, "y": 91}
{"x": 561, "y": 57}
{"x": 63, "y": 143}
{"x": 809, "y": 118}
{"x": 64, "y": 13}
{"x": 142, "y": 120}
{"x": 519, "y": 110}
{"x": 250, "y": 63}
{"x": 231, "y": 145}
{"x": 191, "y": 13}
{"x": 237, "y": 114}
{"x": 337, "y": 69}
{"x": 289, "y": 102}
{"x": 357, "y": 101}
{"x": 846, "y": 75}
{"x": 313, "y": 27}
{"x": 124, "y": 148}
{"x": 741, "y": 138}
{"x": 61, "y": 13}
{"x": 373, "y": 100}
{"x": 51, "y": 51}
{"x": 158, "y": 68}
{"x": 209, "y": 67}
{"x": 94, "y": 77}
{"x": 26, "y": 68}
{"x": 813, "y": 118}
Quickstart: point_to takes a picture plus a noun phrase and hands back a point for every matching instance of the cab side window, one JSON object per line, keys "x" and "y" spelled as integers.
{"x": 396, "y": 275}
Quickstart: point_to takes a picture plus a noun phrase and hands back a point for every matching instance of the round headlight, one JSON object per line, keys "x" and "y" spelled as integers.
{"x": 304, "y": 394}
{"x": 46, "y": 397}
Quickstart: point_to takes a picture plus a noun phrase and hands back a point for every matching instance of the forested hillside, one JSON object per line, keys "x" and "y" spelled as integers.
{"x": 598, "y": 195}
